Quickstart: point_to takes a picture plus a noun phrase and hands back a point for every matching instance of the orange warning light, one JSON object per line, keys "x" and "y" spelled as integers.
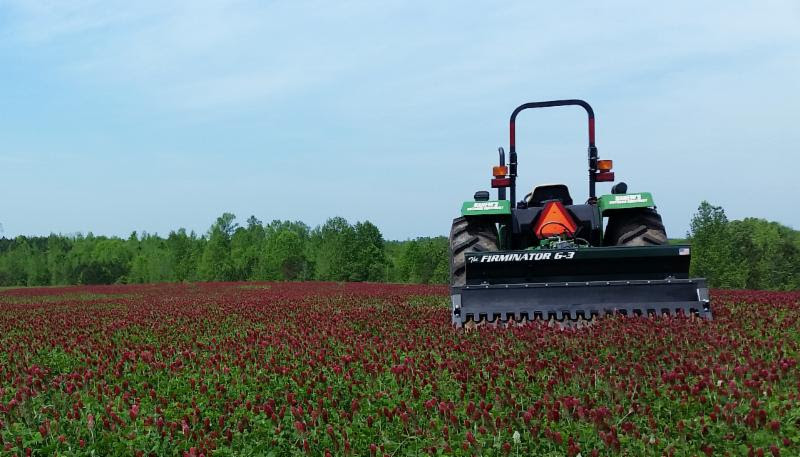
{"x": 499, "y": 171}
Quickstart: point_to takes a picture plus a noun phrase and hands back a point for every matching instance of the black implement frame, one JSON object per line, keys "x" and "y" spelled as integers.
{"x": 579, "y": 300}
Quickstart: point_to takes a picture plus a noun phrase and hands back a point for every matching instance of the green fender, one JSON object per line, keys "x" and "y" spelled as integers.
{"x": 613, "y": 202}
{"x": 486, "y": 208}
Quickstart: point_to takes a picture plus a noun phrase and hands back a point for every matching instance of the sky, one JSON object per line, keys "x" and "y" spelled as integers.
{"x": 118, "y": 116}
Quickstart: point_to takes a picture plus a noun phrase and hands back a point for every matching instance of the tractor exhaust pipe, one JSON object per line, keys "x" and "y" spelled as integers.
{"x": 501, "y": 191}
{"x": 513, "y": 150}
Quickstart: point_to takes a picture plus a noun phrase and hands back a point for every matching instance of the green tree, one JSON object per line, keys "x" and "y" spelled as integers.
{"x": 14, "y": 262}
{"x": 751, "y": 253}
{"x": 772, "y": 253}
{"x": 246, "y": 246}
{"x": 284, "y": 256}
{"x": 111, "y": 257}
{"x": 334, "y": 250}
{"x": 186, "y": 250}
{"x": 216, "y": 263}
{"x": 369, "y": 256}
{"x": 58, "y": 267}
{"x": 152, "y": 261}
{"x": 98, "y": 260}
{"x": 423, "y": 260}
{"x": 714, "y": 256}
{"x": 36, "y": 268}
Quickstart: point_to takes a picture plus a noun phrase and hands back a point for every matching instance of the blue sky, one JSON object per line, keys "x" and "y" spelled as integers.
{"x": 118, "y": 116}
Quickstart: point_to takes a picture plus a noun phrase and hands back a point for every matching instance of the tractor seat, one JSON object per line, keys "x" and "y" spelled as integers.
{"x": 547, "y": 192}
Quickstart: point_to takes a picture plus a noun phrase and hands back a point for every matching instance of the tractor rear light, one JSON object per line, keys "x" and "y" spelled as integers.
{"x": 605, "y": 165}
{"x": 554, "y": 220}
{"x": 500, "y": 171}
{"x": 501, "y": 182}
{"x": 605, "y": 176}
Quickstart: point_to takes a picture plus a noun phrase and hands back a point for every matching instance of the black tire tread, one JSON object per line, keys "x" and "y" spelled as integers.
{"x": 469, "y": 235}
{"x": 635, "y": 227}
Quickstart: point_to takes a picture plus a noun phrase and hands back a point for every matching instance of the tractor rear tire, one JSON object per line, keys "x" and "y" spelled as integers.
{"x": 469, "y": 235}
{"x": 635, "y": 227}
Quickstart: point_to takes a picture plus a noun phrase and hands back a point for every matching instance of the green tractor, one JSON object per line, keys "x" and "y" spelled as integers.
{"x": 546, "y": 257}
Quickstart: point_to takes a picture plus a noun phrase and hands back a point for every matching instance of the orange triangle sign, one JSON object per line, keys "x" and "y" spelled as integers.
{"x": 554, "y": 220}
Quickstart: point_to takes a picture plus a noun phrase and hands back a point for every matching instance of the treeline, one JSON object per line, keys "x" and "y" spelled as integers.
{"x": 746, "y": 254}
{"x": 749, "y": 254}
{"x": 279, "y": 250}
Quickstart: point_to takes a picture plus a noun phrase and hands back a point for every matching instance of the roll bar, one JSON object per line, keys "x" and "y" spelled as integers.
{"x": 513, "y": 151}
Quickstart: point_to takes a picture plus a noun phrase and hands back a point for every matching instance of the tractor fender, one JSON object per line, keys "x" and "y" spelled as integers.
{"x": 486, "y": 208}
{"x": 612, "y": 202}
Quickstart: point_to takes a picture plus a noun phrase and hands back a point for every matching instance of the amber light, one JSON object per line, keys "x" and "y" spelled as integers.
{"x": 499, "y": 171}
{"x": 605, "y": 165}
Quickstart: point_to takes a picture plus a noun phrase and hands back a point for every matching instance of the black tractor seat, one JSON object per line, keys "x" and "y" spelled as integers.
{"x": 546, "y": 192}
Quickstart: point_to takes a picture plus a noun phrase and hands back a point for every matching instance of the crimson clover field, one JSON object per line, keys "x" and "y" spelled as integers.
{"x": 369, "y": 369}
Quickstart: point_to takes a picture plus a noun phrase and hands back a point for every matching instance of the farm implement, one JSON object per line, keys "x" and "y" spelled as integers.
{"x": 546, "y": 257}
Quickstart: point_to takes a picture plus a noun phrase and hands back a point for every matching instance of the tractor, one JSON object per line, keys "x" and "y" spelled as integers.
{"x": 548, "y": 257}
